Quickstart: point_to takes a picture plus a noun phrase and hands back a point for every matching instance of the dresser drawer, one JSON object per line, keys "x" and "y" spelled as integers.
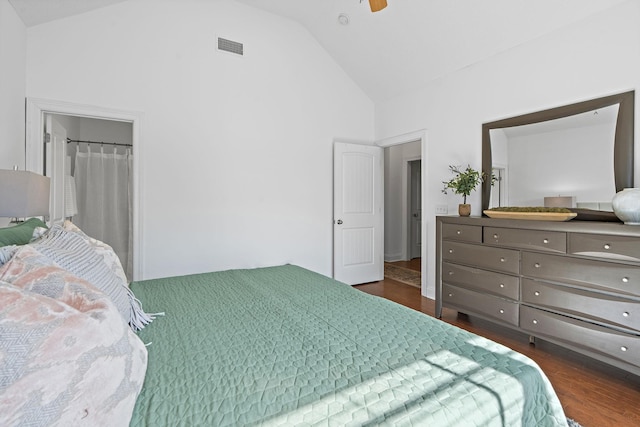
{"x": 505, "y": 260}
{"x": 594, "y": 274}
{"x": 482, "y": 280}
{"x": 549, "y": 241}
{"x": 463, "y": 233}
{"x": 604, "y": 341}
{"x": 473, "y": 302}
{"x": 605, "y": 246}
{"x": 590, "y": 305}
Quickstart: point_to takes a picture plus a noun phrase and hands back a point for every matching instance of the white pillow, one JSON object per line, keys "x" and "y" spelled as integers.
{"x": 110, "y": 257}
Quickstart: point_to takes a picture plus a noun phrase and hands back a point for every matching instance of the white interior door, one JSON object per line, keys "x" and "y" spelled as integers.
{"x": 358, "y": 215}
{"x": 55, "y": 166}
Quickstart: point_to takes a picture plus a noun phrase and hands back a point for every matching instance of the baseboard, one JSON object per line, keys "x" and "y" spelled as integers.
{"x": 393, "y": 257}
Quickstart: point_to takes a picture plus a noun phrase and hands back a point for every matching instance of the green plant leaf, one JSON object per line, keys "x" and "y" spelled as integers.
{"x": 464, "y": 182}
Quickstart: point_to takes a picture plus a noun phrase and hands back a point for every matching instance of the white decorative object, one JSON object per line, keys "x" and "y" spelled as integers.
{"x": 626, "y": 205}
{"x": 560, "y": 202}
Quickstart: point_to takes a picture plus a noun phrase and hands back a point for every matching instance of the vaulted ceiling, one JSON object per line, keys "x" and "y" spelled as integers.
{"x": 34, "y": 12}
{"x": 404, "y": 46}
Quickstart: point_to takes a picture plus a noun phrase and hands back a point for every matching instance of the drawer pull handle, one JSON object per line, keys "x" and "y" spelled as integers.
{"x": 537, "y": 293}
{"x": 451, "y": 273}
{"x": 495, "y": 236}
{"x": 502, "y": 285}
{"x": 623, "y": 348}
{"x": 625, "y": 314}
{"x": 450, "y": 295}
{"x": 534, "y": 321}
{"x": 458, "y": 232}
{"x": 625, "y": 279}
{"x": 501, "y": 311}
{"x": 536, "y": 265}
{"x": 607, "y": 246}
{"x": 450, "y": 251}
{"x": 502, "y": 260}
{"x": 545, "y": 241}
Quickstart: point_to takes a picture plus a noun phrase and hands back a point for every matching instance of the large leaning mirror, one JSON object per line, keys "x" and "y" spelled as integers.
{"x": 580, "y": 153}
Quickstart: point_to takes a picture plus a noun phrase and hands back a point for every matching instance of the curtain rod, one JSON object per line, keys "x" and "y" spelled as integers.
{"x": 99, "y": 142}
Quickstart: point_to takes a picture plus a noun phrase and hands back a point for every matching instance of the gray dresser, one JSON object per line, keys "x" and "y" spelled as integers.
{"x": 575, "y": 283}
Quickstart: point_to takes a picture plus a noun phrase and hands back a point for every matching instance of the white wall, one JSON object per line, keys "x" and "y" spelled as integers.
{"x": 70, "y": 123}
{"x": 235, "y": 152}
{"x": 13, "y": 42}
{"x": 571, "y": 162}
{"x": 395, "y": 198}
{"x": 594, "y": 57}
{"x": 104, "y": 130}
{"x": 499, "y": 147}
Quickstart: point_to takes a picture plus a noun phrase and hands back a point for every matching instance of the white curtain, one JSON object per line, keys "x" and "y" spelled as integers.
{"x": 104, "y": 198}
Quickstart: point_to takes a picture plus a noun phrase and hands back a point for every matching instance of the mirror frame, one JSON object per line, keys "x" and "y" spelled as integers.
{"x": 623, "y": 141}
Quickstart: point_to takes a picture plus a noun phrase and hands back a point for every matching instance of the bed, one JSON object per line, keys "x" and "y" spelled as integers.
{"x": 285, "y": 346}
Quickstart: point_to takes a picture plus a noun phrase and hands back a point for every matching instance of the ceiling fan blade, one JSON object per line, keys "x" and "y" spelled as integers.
{"x": 377, "y": 5}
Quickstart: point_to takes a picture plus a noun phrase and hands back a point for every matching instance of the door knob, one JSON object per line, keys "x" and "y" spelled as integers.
{"x": 339, "y": 222}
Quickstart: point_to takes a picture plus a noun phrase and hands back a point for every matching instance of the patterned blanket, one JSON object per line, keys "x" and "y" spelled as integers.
{"x": 67, "y": 356}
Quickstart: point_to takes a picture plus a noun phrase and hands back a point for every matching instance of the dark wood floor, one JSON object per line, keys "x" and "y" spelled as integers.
{"x": 592, "y": 393}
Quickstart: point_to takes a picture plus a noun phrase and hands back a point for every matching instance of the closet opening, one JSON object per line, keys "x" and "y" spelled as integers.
{"x": 90, "y": 154}
{"x": 97, "y": 176}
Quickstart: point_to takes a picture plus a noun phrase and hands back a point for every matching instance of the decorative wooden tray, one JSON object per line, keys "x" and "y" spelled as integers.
{"x": 537, "y": 216}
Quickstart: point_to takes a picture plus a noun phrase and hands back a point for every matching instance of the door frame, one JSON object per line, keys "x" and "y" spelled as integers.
{"x": 36, "y": 108}
{"x": 407, "y": 186}
{"x": 55, "y": 165}
{"x": 419, "y": 135}
{"x": 503, "y": 184}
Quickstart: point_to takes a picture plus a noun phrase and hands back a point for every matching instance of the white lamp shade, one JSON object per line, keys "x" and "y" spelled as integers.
{"x": 23, "y": 194}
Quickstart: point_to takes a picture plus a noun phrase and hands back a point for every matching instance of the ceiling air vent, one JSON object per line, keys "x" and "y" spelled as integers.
{"x": 230, "y": 46}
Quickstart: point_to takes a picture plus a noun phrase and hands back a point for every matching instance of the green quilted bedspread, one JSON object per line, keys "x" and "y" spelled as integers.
{"x": 286, "y": 346}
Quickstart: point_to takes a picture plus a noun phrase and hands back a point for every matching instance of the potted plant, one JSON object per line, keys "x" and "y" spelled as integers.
{"x": 464, "y": 182}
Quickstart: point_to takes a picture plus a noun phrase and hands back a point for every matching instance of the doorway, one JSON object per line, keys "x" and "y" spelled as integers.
{"x": 499, "y": 188}
{"x": 95, "y": 177}
{"x": 86, "y": 123}
{"x": 402, "y": 201}
{"x": 418, "y": 145}
{"x": 403, "y": 212}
